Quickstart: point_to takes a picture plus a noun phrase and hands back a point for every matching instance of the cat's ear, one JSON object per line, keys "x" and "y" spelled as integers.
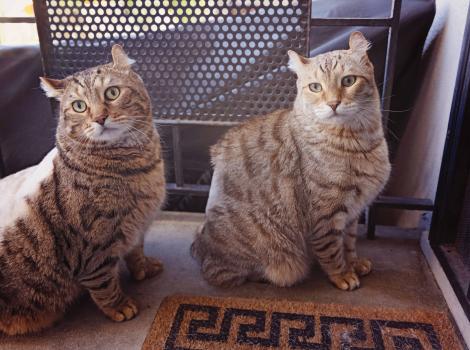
{"x": 53, "y": 87}
{"x": 296, "y": 61}
{"x": 120, "y": 59}
{"x": 358, "y": 43}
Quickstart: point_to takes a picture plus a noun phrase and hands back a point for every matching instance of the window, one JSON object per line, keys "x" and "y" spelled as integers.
{"x": 17, "y": 23}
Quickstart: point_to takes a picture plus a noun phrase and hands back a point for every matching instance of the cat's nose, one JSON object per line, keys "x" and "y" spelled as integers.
{"x": 333, "y": 105}
{"x": 101, "y": 119}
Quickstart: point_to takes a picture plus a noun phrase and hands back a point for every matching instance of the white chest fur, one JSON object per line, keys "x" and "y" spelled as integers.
{"x": 17, "y": 188}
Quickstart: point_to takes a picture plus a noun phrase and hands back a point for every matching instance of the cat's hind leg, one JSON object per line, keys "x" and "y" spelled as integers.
{"x": 220, "y": 273}
{"x": 216, "y": 271}
{"x": 142, "y": 266}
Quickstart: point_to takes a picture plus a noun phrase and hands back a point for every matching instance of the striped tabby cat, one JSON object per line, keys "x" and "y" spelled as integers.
{"x": 66, "y": 222}
{"x": 289, "y": 186}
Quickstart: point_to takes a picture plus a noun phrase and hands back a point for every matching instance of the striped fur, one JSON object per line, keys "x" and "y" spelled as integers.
{"x": 289, "y": 187}
{"x": 91, "y": 209}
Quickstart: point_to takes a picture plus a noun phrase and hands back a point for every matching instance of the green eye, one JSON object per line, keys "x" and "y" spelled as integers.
{"x": 112, "y": 93}
{"x": 315, "y": 87}
{"x": 348, "y": 80}
{"x": 79, "y": 106}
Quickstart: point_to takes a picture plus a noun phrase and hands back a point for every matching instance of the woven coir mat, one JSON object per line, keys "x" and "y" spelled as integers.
{"x": 229, "y": 323}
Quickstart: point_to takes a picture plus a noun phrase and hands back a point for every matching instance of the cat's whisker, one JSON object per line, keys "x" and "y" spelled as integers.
{"x": 130, "y": 127}
{"x": 135, "y": 139}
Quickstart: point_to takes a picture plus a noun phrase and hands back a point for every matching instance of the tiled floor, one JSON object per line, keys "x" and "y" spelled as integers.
{"x": 400, "y": 278}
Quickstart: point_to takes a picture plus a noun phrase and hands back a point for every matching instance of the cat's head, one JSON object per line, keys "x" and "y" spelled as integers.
{"x": 337, "y": 86}
{"x": 102, "y": 104}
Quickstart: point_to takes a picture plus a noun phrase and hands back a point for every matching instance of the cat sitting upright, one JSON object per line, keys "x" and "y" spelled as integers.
{"x": 66, "y": 222}
{"x": 289, "y": 187}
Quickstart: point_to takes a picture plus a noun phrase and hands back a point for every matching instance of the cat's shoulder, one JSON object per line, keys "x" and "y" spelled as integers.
{"x": 18, "y": 187}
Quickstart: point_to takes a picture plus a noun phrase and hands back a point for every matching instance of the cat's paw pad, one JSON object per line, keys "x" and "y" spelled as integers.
{"x": 346, "y": 281}
{"x": 125, "y": 311}
{"x": 146, "y": 268}
{"x": 362, "y": 266}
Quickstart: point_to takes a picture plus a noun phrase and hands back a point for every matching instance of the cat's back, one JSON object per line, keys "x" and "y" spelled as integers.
{"x": 251, "y": 139}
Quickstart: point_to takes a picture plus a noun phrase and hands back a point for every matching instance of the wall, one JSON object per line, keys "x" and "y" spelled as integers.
{"x": 417, "y": 165}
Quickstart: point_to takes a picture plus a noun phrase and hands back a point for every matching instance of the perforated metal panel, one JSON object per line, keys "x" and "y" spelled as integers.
{"x": 201, "y": 60}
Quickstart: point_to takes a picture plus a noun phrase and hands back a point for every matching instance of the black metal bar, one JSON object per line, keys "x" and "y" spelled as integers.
{"x": 43, "y": 27}
{"x": 17, "y": 20}
{"x": 188, "y": 189}
{"x": 370, "y": 221}
{"x": 351, "y": 22}
{"x": 390, "y": 61}
{"x": 307, "y": 47}
{"x": 195, "y": 122}
{"x": 406, "y": 203}
{"x": 403, "y": 203}
{"x": 177, "y": 159}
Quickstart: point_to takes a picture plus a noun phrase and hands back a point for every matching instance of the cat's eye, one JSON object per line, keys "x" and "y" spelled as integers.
{"x": 79, "y": 106}
{"x": 315, "y": 87}
{"x": 348, "y": 80}
{"x": 112, "y": 93}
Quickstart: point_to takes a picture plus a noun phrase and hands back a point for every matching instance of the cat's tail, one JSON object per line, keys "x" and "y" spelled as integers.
{"x": 197, "y": 249}
{"x": 12, "y": 324}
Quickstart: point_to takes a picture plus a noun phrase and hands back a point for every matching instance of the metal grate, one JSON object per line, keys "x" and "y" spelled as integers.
{"x": 201, "y": 60}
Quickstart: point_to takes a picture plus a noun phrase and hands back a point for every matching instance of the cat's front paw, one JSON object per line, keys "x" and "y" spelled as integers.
{"x": 362, "y": 266}
{"x": 125, "y": 311}
{"x": 346, "y": 281}
{"x": 146, "y": 267}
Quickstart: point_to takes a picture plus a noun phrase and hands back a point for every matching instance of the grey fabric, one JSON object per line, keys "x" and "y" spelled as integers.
{"x": 26, "y": 122}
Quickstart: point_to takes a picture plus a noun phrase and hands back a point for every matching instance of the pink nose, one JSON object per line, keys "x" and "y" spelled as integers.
{"x": 333, "y": 105}
{"x": 101, "y": 119}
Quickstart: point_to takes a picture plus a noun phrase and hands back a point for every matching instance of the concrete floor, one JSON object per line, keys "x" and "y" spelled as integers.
{"x": 400, "y": 278}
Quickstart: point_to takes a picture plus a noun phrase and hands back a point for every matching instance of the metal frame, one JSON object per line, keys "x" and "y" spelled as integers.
{"x": 17, "y": 20}
{"x": 455, "y": 169}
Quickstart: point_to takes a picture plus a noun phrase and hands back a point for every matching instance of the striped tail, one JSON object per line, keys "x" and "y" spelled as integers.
{"x": 196, "y": 250}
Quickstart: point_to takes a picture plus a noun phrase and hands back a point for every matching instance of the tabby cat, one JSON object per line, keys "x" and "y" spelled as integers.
{"x": 66, "y": 222}
{"x": 289, "y": 187}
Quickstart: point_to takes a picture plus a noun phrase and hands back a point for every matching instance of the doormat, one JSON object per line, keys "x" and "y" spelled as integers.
{"x": 184, "y": 322}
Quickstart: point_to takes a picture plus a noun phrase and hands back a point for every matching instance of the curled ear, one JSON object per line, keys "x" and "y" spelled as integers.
{"x": 120, "y": 59}
{"x": 52, "y": 87}
{"x": 296, "y": 61}
{"x": 357, "y": 42}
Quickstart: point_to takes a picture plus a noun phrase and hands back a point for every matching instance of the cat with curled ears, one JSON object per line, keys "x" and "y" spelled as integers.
{"x": 67, "y": 222}
{"x": 288, "y": 187}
